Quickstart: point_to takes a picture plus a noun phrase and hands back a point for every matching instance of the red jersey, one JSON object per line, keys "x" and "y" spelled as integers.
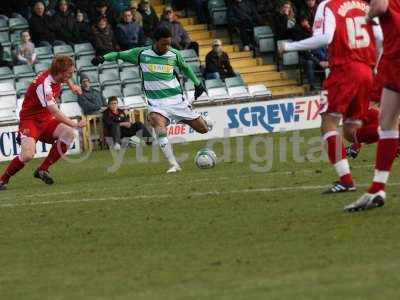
{"x": 390, "y": 23}
{"x": 354, "y": 39}
{"x": 41, "y": 93}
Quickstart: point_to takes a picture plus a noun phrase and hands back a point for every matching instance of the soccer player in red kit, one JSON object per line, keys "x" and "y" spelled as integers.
{"x": 341, "y": 25}
{"x": 389, "y": 17}
{"x": 41, "y": 120}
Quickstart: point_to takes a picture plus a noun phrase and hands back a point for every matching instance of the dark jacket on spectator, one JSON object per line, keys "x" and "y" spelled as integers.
{"x": 84, "y": 31}
{"x": 243, "y": 14}
{"x": 150, "y": 21}
{"x": 109, "y": 119}
{"x": 94, "y": 15}
{"x": 66, "y": 27}
{"x": 219, "y": 63}
{"x": 281, "y": 29}
{"x": 104, "y": 40}
{"x": 129, "y": 35}
{"x": 180, "y": 37}
{"x": 91, "y": 101}
{"x": 41, "y": 28}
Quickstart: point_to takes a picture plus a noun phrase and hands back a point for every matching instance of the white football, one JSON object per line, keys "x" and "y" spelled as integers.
{"x": 205, "y": 159}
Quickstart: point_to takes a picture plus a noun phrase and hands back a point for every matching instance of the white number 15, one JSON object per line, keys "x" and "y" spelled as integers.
{"x": 357, "y": 33}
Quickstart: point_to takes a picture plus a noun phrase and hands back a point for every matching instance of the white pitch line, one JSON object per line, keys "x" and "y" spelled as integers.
{"x": 149, "y": 184}
{"x": 194, "y": 194}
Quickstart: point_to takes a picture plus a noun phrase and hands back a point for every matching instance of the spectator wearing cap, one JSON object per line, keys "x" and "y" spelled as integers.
{"x": 117, "y": 125}
{"x": 65, "y": 25}
{"x": 41, "y": 27}
{"x": 180, "y": 37}
{"x": 128, "y": 33}
{"x": 91, "y": 101}
{"x": 137, "y": 16}
{"x": 150, "y": 18}
{"x": 217, "y": 63}
{"x": 102, "y": 8}
{"x": 103, "y": 37}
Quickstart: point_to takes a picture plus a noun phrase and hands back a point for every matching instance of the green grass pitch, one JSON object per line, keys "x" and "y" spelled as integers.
{"x": 224, "y": 233}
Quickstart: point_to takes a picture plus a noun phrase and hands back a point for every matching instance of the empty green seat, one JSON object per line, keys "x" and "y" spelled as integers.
{"x": 234, "y": 81}
{"x": 132, "y": 89}
{"x": 4, "y": 25}
{"x": 217, "y": 12}
{"x": 45, "y": 52}
{"x": 85, "y": 63}
{"x": 17, "y": 24}
{"x": 15, "y": 38}
{"x": 21, "y": 71}
{"x": 109, "y": 77}
{"x": 131, "y": 75}
{"x": 189, "y": 55}
{"x": 63, "y": 50}
{"x": 22, "y": 85}
{"x": 6, "y": 73}
{"x": 68, "y": 96}
{"x": 41, "y": 66}
{"x": 83, "y": 49}
{"x": 112, "y": 90}
{"x": 4, "y": 38}
{"x": 264, "y": 38}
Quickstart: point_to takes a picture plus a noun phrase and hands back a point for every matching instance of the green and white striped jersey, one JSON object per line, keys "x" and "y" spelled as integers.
{"x": 161, "y": 86}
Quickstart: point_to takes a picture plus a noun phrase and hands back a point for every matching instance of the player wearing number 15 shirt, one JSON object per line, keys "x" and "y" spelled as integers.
{"x": 352, "y": 46}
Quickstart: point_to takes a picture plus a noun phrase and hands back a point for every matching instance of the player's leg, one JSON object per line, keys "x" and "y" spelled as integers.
{"x": 61, "y": 136}
{"x": 336, "y": 153}
{"x": 386, "y": 152}
{"x": 159, "y": 122}
{"x": 28, "y": 149}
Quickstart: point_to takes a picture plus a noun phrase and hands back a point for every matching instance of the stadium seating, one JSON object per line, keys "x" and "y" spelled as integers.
{"x": 109, "y": 77}
{"x": 21, "y": 71}
{"x": 83, "y": 49}
{"x": 258, "y": 90}
{"x": 289, "y": 58}
{"x": 216, "y": 89}
{"x": 22, "y": 85}
{"x": 236, "y": 87}
{"x": 108, "y": 65}
{"x": 71, "y": 109}
{"x": 112, "y": 90}
{"x": 17, "y": 24}
{"x": 6, "y": 74}
{"x": 217, "y": 12}
{"x": 189, "y": 55}
{"x": 264, "y": 38}
{"x": 92, "y": 74}
{"x": 4, "y": 38}
{"x": 3, "y": 25}
{"x": 63, "y": 50}
{"x": 8, "y": 103}
{"x": 84, "y": 63}
{"x": 133, "y": 95}
{"x": 41, "y": 66}
{"x": 68, "y": 96}
{"x": 44, "y": 52}
{"x": 130, "y": 75}
{"x": 15, "y": 38}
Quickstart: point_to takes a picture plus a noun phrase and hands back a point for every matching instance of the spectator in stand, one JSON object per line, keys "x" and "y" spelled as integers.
{"x": 217, "y": 63}
{"x": 4, "y": 63}
{"x": 150, "y": 18}
{"x": 25, "y": 52}
{"x": 102, "y": 8}
{"x": 129, "y": 34}
{"x": 117, "y": 125}
{"x": 83, "y": 5}
{"x": 65, "y": 25}
{"x": 243, "y": 15}
{"x": 307, "y": 16}
{"x": 285, "y": 22}
{"x": 180, "y": 37}
{"x": 41, "y": 27}
{"x": 200, "y": 7}
{"x": 312, "y": 61}
{"x": 181, "y": 5}
{"x": 91, "y": 101}
{"x": 103, "y": 37}
{"x": 83, "y": 26}
{"x": 137, "y": 16}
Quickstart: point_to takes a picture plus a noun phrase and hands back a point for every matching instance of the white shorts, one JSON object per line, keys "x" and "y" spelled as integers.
{"x": 177, "y": 112}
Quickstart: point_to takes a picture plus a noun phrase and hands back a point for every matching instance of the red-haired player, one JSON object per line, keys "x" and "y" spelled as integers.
{"x": 341, "y": 24}
{"x": 41, "y": 120}
{"x": 389, "y": 17}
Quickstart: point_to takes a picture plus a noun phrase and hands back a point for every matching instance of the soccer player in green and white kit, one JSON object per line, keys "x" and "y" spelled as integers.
{"x": 162, "y": 88}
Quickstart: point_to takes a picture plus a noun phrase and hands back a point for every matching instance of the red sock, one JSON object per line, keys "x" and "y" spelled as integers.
{"x": 56, "y": 151}
{"x": 337, "y": 157}
{"x": 15, "y": 165}
{"x": 385, "y": 155}
{"x": 367, "y": 134}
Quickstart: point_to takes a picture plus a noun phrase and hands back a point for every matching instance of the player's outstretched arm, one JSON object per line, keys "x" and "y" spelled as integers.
{"x": 131, "y": 56}
{"x": 377, "y": 8}
{"x": 76, "y": 89}
{"x": 188, "y": 72}
{"x": 60, "y": 116}
{"x": 323, "y": 32}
